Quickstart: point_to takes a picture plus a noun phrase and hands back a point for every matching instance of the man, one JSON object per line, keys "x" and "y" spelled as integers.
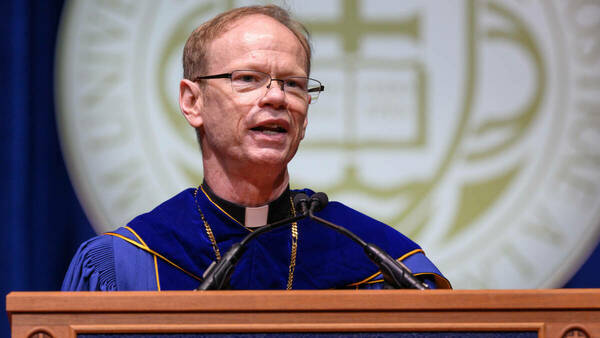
{"x": 246, "y": 91}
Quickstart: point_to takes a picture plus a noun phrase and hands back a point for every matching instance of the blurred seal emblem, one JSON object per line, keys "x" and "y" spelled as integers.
{"x": 471, "y": 126}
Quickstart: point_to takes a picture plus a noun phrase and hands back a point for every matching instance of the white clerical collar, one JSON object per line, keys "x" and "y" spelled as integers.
{"x": 253, "y": 217}
{"x": 256, "y": 216}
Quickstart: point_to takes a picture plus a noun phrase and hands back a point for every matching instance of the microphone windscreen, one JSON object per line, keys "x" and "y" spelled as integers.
{"x": 299, "y": 199}
{"x": 322, "y": 198}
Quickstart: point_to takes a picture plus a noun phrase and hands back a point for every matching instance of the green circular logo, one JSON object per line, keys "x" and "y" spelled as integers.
{"x": 471, "y": 126}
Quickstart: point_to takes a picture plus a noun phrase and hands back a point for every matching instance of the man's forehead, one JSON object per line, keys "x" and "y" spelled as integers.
{"x": 254, "y": 28}
{"x": 253, "y": 32}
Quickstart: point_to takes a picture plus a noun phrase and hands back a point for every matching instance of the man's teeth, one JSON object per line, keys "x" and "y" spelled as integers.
{"x": 270, "y": 129}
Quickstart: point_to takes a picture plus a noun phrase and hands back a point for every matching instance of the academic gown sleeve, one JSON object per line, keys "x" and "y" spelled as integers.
{"x": 417, "y": 263}
{"x": 92, "y": 267}
{"x": 109, "y": 263}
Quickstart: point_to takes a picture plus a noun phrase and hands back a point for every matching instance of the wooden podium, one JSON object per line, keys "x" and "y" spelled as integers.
{"x": 456, "y": 313}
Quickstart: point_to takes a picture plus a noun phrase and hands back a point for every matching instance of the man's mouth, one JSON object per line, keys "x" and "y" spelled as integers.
{"x": 270, "y": 129}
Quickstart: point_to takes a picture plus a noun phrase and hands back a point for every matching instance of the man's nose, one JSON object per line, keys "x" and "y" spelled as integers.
{"x": 275, "y": 94}
{"x": 278, "y": 81}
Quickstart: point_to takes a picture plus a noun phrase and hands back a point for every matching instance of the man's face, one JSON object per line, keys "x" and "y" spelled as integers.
{"x": 263, "y": 127}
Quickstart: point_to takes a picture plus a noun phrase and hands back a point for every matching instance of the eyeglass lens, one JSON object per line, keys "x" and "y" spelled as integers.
{"x": 248, "y": 80}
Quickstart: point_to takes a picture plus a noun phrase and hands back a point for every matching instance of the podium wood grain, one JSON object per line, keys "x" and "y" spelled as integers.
{"x": 550, "y": 313}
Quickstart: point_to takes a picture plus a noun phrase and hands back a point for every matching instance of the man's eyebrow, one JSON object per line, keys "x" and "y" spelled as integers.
{"x": 262, "y": 66}
{"x": 281, "y": 74}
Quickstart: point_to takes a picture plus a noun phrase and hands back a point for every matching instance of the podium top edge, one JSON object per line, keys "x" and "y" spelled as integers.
{"x": 302, "y": 300}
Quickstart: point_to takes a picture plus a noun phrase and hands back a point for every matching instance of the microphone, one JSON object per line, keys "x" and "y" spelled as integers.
{"x": 301, "y": 202}
{"x": 395, "y": 273}
{"x": 218, "y": 274}
{"x": 318, "y": 201}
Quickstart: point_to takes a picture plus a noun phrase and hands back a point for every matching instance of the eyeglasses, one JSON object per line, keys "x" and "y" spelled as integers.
{"x": 246, "y": 81}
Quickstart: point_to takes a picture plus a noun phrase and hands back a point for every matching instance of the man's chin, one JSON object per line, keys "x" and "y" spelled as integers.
{"x": 269, "y": 157}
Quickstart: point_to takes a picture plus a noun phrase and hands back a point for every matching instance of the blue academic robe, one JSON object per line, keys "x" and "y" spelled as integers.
{"x": 169, "y": 249}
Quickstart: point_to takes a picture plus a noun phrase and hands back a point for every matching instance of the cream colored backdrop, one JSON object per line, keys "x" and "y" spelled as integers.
{"x": 471, "y": 126}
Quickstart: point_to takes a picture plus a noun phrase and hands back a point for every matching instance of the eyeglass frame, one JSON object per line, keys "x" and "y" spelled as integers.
{"x": 318, "y": 89}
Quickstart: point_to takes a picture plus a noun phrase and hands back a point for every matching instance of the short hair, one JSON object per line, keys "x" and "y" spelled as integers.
{"x": 195, "y": 51}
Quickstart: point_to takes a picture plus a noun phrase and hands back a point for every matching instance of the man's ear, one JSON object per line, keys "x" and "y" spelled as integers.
{"x": 305, "y": 119}
{"x": 304, "y": 126}
{"x": 191, "y": 102}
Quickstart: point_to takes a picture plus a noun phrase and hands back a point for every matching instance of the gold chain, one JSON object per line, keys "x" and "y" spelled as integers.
{"x": 293, "y": 253}
{"x": 207, "y": 227}
{"x": 294, "y": 249}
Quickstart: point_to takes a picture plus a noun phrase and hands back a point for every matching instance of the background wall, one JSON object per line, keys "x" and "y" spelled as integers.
{"x": 44, "y": 222}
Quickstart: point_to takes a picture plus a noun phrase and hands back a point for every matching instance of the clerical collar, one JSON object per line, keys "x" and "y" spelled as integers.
{"x": 254, "y": 216}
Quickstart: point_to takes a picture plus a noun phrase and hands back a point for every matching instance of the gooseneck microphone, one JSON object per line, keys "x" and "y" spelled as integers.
{"x": 218, "y": 274}
{"x": 395, "y": 274}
